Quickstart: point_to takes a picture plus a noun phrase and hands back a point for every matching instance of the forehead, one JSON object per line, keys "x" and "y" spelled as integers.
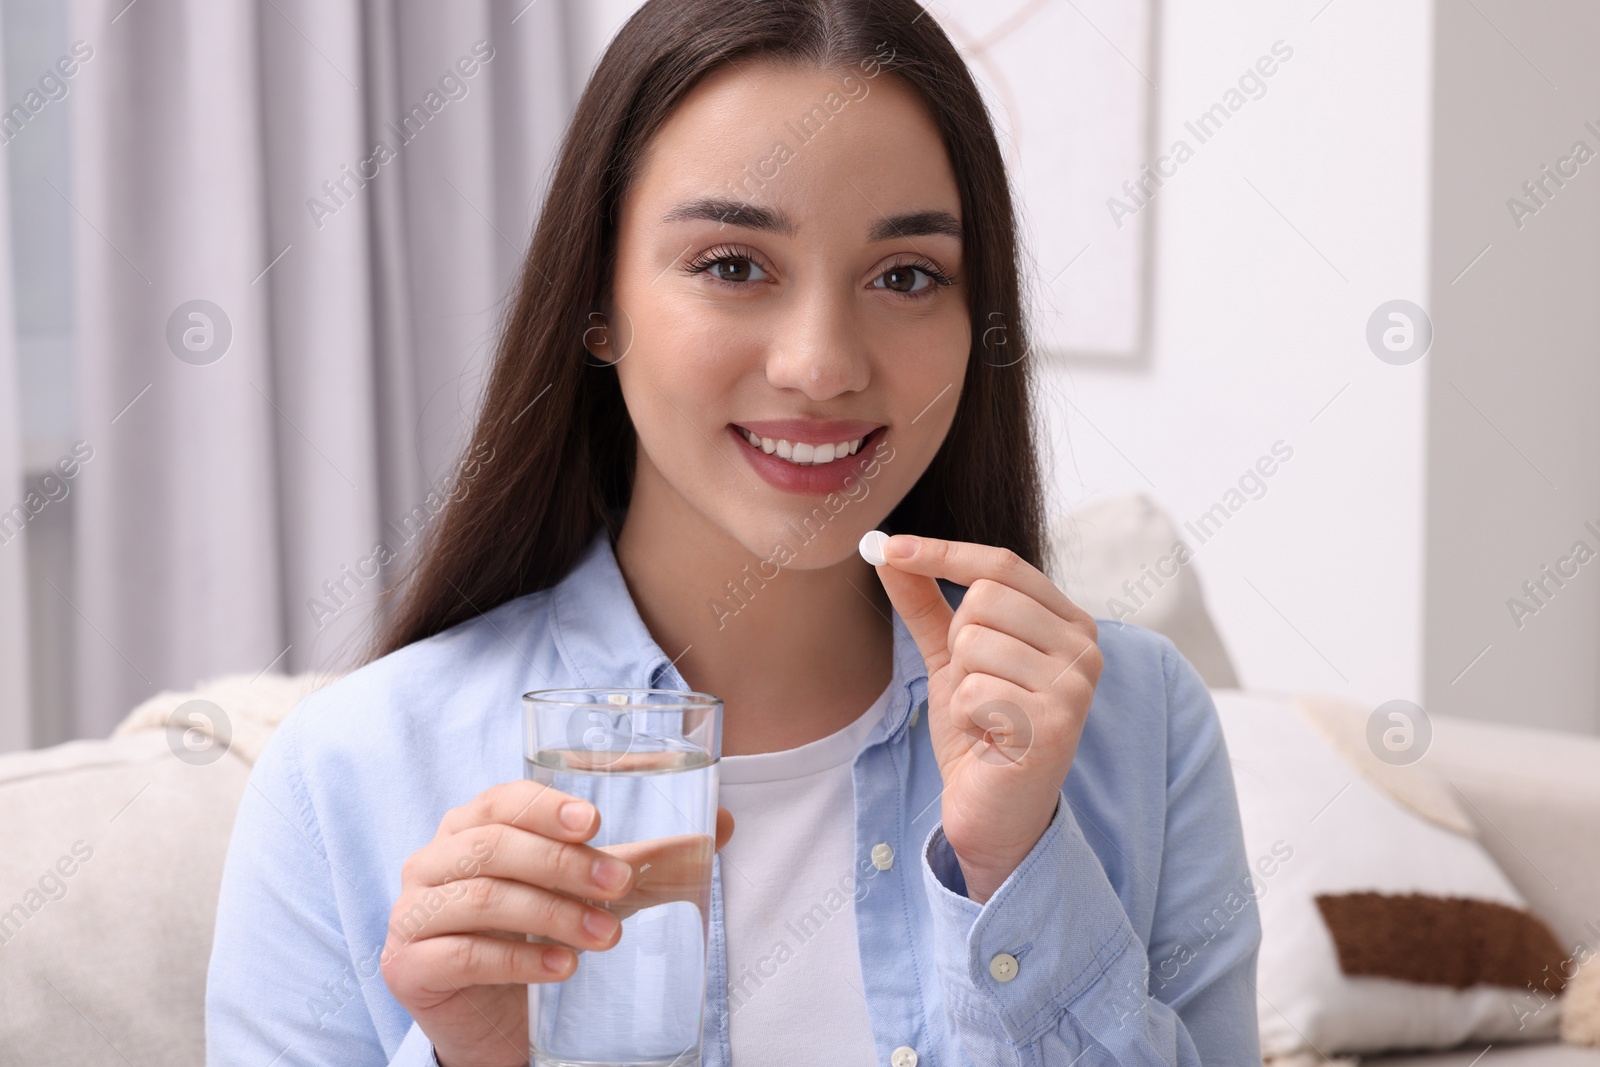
{"x": 820, "y": 144}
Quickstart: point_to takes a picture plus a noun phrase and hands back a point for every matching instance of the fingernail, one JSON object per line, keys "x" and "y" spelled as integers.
{"x": 902, "y": 546}
{"x": 555, "y": 959}
{"x": 575, "y": 814}
{"x": 610, "y": 873}
{"x": 600, "y": 924}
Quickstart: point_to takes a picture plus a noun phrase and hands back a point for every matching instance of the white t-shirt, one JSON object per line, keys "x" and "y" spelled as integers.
{"x": 788, "y": 882}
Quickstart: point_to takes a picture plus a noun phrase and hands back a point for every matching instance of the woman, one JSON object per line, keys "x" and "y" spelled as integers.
{"x": 771, "y": 304}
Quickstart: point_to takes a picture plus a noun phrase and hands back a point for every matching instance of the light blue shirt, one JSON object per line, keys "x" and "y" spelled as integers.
{"x": 1132, "y": 921}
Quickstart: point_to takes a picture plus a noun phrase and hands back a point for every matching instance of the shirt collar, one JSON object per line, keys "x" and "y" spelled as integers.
{"x": 604, "y": 641}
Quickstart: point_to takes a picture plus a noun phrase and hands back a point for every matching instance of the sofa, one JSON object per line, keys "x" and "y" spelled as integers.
{"x": 115, "y": 846}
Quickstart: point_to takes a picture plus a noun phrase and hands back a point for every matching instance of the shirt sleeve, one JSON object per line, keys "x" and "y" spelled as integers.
{"x": 1079, "y": 984}
{"x": 282, "y": 986}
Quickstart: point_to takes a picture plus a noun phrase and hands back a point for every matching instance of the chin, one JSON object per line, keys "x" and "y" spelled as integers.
{"x": 804, "y": 537}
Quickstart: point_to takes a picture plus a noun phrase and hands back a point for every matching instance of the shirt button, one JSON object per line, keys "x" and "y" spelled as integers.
{"x": 882, "y": 857}
{"x": 1003, "y": 966}
{"x": 904, "y": 1056}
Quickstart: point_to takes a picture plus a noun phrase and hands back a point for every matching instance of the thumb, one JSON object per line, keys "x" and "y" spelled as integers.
{"x": 927, "y": 614}
{"x": 724, "y": 827}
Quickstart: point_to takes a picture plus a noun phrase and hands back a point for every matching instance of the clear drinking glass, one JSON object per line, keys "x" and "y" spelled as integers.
{"x": 647, "y": 759}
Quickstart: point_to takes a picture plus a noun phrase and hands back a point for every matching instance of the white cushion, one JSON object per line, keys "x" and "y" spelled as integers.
{"x": 1098, "y": 547}
{"x": 114, "y": 953}
{"x": 107, "y": 963}
{"x": 1342, "y": 833}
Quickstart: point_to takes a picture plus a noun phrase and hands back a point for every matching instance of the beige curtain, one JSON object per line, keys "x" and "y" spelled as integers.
{"x": 15, "y": 725}
{"x": 296, "y": 225}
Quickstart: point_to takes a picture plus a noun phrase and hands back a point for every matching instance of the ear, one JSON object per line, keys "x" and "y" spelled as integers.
{"x": 597, "y": 337}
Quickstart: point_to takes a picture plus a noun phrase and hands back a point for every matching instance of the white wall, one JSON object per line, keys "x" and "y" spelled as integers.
{"x": 1273, "y": 245}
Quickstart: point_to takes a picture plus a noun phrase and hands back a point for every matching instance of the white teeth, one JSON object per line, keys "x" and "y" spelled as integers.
{"x": 802, "y": 453}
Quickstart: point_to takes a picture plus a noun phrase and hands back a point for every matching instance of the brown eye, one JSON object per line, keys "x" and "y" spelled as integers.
{"x": 904, "y": 279}
{"x": 727, "y": 265}
{"x": 734, "y": 270}
{"x": 900, "y": 279}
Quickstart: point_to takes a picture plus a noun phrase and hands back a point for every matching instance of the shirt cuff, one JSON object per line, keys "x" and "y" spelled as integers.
{"x": 1056, "y": 915}
{"x": 415, "y": 1051}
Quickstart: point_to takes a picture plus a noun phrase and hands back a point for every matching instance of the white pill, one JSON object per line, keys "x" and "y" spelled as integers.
{"x": 871, "y": 547}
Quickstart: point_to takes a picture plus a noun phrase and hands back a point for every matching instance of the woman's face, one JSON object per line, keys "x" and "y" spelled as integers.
{"x": 789, "y": 264}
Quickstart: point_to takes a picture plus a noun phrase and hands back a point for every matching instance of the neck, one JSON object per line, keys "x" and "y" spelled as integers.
{"x": 794, "y": 650}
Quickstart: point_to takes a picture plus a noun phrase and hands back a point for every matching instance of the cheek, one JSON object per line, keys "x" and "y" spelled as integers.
{"x": 937, "y": 335}
{"x": 924, "y": 363}
{"x": 680, "y": 335}
{"x": 678, "y": 379}
{"x": 923, "y": 371}
{"x": 687, "y": 356}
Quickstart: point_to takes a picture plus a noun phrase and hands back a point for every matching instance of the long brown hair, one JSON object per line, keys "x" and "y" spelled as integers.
{"x": 554, "y": 421}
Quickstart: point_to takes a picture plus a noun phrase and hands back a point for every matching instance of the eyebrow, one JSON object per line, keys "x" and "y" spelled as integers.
{"x": 753, "y": 217}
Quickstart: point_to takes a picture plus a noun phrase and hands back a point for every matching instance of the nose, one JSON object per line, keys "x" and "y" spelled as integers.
{"x": 818, "y": 348}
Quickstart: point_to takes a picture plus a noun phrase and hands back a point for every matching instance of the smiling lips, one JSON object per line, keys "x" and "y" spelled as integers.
{"x": 807, "y": 458}
{"x": 802, "y": 453}
{"x": 804, "y": 443}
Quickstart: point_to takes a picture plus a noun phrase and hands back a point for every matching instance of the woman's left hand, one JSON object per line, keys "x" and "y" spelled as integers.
{"x": 1011, "y": 673}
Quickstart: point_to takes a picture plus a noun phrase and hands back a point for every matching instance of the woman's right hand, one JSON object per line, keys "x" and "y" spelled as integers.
{"x": 509, "y": 862}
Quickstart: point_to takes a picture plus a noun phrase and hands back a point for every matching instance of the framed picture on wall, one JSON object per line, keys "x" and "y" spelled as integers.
{"x": 1071, "y": 86}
